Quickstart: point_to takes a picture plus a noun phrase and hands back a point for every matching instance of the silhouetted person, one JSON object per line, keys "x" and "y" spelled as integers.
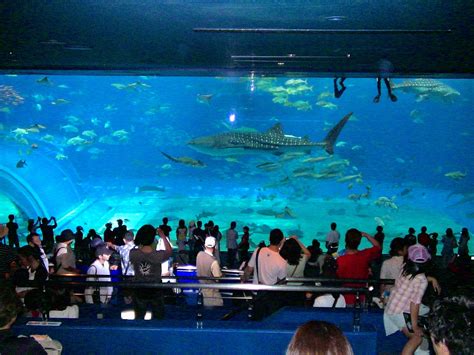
{"x": 32, "y": 225}
{"x": 165, "y": 227}
{"x": 78, "y": 238}
{"x": 119, "y": 232}
{"x": 410, "y": 238}
{"x": 47, "y": 231}
{"x": 385, "y": 68}
{"x": 199, "y": 236}
{"x": 109, "y": 233}
{"x": 12, "y": 232}
{"x": 338, "y": 92}
{"x": 379, "y": 236}
{"x": 424, "y": 238}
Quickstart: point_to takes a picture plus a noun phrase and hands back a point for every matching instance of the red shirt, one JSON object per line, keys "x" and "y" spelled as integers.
{"x": 424, "y": 239}
{"x": 356, "y": 266}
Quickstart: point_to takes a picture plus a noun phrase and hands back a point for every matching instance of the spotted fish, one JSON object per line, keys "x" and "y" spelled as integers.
{"x": 272, "y": 141}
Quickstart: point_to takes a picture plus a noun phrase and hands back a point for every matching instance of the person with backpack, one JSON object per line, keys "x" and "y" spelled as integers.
{"x": 100, "y": 267}
{"x": 329, "y": 271}
{"x": 64, "y": 260}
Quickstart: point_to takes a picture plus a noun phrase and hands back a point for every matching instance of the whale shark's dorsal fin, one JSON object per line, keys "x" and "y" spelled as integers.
{"x": 276, "y": 130}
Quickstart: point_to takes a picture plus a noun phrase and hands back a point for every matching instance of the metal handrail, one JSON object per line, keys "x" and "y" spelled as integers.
{"x": 190, "y": 277}
{"x": 254, "y": 297}
{"x": 219, "y": 286}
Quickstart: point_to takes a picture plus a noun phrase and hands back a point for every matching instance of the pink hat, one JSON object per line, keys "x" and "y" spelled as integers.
{"x": 418, "y": 254}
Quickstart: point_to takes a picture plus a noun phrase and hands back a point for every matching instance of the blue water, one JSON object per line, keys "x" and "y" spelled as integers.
{"x": 401, "y": 150}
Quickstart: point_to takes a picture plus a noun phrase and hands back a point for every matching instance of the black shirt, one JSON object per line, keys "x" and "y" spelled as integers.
{"x": 11, "y": 344}
{"x": 166, "y": 229}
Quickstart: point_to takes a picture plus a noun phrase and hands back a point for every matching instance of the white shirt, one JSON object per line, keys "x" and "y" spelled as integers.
{"x": 231, "y": 238}
{"x": 165, "y": 265}
{"x": 297, "y": 270}
{"x": 271, "y": 267}
{"x": 333, "y": 237}
{"x": 44, "y": 259}
{"x": 97, "y": 268}
{"x": 391, "y": 269}
{"x": 69, "y": 312}
{"x": 328, "y": 301}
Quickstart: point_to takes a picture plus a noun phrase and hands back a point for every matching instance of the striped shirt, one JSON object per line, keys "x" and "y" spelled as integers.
{"x": 406, "y": 291}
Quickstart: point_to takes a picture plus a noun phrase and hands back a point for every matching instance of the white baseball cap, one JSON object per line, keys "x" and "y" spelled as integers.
{"x": 210, "y": 242}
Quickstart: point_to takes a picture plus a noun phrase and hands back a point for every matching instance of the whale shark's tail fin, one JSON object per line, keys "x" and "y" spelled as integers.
{"x": 331, "y": 137}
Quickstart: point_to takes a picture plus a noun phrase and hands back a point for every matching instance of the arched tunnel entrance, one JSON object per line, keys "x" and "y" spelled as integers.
{"x": 39, "y": 188}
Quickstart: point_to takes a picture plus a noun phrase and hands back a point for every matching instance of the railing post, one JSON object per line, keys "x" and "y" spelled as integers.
{"x": 250, "y": 307}
{"x": 357, "y": 310}
{"x": 199, "y": 313}
{"x": 44, "y": 311}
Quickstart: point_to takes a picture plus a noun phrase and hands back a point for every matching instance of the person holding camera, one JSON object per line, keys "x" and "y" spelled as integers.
{"x": 47, "y": 231}
{"x": 146, "y": 262}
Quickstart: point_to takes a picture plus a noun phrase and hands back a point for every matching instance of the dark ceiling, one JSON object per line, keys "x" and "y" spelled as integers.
{"x": 317, "y": 38}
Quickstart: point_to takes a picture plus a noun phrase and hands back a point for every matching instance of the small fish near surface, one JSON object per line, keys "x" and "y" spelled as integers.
{"x": 44, "y": 81}
{"x": 186, "y": 161}
{"x": 456, "y": 175}
{"x": 204, "y": 98}
{"x": 60, "y": 102}
{"x": 21, "y": 164}
{"x": 269, "y": 166}
{"x": 150, "y": 188}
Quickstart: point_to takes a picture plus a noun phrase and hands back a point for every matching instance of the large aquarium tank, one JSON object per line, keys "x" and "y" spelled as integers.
{"x": 263, "y": 151}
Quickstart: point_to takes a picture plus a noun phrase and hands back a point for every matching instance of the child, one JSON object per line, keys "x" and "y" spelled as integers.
{"x": 406, "y": 297}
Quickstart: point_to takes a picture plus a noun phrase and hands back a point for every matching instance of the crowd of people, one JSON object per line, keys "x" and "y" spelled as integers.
{"x": 147, "y": 256}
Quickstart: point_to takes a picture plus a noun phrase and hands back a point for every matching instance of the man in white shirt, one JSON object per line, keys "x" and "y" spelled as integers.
{"x": 100, "y": 267}
{"x": 268, "y": 268}
{"x": 333, "y": 236}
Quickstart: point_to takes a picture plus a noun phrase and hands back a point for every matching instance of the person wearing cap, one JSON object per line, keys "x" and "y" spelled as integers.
{"x": 406, "y": 297}
{"x": 208, "y": 266}
{"x": 100, "y": 267}
{"x": 64, "y": 256}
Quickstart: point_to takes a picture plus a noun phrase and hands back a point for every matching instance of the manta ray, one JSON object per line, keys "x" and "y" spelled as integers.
{"x": 272, "y": 141}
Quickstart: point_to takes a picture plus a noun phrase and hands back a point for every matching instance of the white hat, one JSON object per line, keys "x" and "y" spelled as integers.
{"x": 210, "y": 242}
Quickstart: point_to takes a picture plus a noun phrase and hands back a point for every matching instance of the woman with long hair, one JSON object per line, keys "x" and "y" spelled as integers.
{"x": 406, "y": 297}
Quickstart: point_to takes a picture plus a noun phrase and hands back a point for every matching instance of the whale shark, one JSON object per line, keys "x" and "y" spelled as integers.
{"x": 272, "y": 141}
